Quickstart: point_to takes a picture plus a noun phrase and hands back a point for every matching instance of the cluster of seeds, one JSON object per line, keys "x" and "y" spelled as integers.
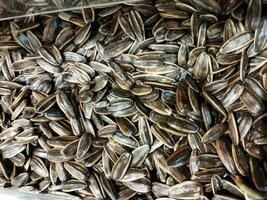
{"x": 154, "y": 99}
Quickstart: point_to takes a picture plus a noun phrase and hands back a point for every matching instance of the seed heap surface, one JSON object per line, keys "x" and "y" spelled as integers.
{"x": 148, "y": 100}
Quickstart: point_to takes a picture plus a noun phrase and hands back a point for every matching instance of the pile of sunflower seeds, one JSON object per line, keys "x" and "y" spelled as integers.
{"x": 160, "y": 99}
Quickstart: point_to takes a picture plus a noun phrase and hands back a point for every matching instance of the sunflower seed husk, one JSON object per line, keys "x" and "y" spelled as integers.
{"x": 121, "y": 166}
{"x": 77, "y": 170}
